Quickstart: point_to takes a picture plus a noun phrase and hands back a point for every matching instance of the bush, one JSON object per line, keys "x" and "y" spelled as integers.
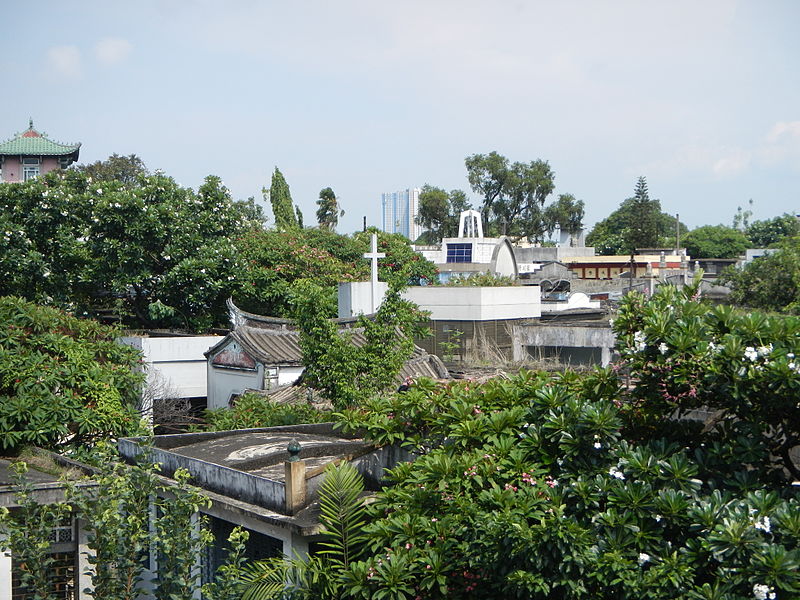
{"x": 65, "y": 383}
{"x": 254, "y": 410}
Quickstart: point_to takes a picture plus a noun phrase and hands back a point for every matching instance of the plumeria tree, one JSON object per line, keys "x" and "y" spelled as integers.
{"x": 685, "y": 355}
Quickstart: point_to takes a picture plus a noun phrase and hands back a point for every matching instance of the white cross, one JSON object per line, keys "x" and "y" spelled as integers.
{"x": 374, "y": 256}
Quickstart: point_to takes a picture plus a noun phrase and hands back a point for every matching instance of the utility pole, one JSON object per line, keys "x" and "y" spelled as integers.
{"x": 677, "y": 233}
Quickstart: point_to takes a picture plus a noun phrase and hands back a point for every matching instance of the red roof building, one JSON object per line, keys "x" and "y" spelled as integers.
{"x": 30, "y": 154}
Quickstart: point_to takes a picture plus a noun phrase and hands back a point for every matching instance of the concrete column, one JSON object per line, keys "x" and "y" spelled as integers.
{"x": 295, "y": 478}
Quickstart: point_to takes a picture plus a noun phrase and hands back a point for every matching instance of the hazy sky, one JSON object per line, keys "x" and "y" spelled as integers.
{"x": 702, "y": 98}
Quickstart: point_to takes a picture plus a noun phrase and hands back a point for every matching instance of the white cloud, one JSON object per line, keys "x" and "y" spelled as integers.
{"x": 110, "y": 51}
{"x": 734, "y": 161}
{"x": 784, "y": 129}
{"x": 65, "y": 62}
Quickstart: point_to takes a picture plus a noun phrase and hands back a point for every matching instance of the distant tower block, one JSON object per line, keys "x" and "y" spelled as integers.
{"x": 470, "y": 224}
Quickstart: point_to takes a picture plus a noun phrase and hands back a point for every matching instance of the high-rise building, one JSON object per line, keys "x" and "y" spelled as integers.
{"x": 400, "y": 210}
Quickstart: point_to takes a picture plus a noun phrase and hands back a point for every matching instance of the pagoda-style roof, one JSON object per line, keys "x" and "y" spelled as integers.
{"x": 32, "y": 143}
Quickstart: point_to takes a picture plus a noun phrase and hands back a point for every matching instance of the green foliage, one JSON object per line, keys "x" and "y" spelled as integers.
{"x": 128, "y": 170}
{"x": 26, "y": 534}
{"x": 439, "y": 213}
{"x": 228, "y": 583}
{"x": 715, "y": 241}
{"x": 65, "y": 382}
{"x": 481, "y": 280}
{"x": 526, "y": 488}
{"x": 770, "y": 282}
{"x": 94, "y": 246}
{"x": 622, "y": 228}
{"x": 565, "y": 213}
{"x": 119, "y": 524}
{"x": 402, "y": 265}
{"x": 685, "y": 354}
{"x": 281, "y": 201}
{"x": 254, "y": 410}
{"x": 768, "y": 233}
{"x": 642, "y": 227}
{"x": 318, "y": 577}
{"x": 345, "y": 373}
{"x": 513, "y": 194}
{"x": 329, "y": 211}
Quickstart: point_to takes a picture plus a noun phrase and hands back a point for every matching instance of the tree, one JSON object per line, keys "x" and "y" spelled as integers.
{"x": 642, "y": 230}
{"x": 613, "y": 234}
{"x": 566, "y": 213}
{"x": 156, "y": 254}
{"x": 127, "y": 170}
{"x": 514, "y": 193}
{"x": 770, "y": 282}
{"x": 439, "y": 212}
{"x": 344, "y": 372}
{"x": 65, "y": 383}
{"x": 402, "y": 265}
{"x": 768, "y": 233}
{"x": 715, "y": 241}
{"x": 281, "y": 200}
{"x": 329, "y": 211}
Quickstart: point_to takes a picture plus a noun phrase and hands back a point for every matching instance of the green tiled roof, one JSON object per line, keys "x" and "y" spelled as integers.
{"x": 31, "y": 142}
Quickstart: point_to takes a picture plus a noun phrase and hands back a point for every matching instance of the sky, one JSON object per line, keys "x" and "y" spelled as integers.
{"x": 701, "y": 98}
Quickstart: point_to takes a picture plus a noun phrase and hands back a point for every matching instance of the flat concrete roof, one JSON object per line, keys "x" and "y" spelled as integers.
{"x": 33, "y": 476}
{"x": 263, "y": 454}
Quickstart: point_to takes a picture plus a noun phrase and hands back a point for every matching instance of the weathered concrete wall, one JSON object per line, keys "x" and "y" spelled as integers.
{"x": 223, "y": 480}
{"x": 563, "y": 336}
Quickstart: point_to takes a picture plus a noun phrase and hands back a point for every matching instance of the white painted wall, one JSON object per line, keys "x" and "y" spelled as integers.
{"x": 575, "y": 300}
{"x": 5, "y": 576}
{"x": 467, "y": 303}
{"x": 175, "y": 363}
{"x": 355, "y": 297}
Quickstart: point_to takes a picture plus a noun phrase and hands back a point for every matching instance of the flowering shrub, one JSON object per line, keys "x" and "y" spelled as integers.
{"x": 527, "y": 489}
{"x": 684, "y": 355}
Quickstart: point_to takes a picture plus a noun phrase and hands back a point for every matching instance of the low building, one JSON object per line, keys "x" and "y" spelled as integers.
{"x": 263, "y": 353}
{"x": 264, "y": 480}
{"x": 31, "y": 153}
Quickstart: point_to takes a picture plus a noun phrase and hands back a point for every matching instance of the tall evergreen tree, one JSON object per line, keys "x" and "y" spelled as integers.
{"x": 281, "y": 200}
{"x": 643, "y": 219}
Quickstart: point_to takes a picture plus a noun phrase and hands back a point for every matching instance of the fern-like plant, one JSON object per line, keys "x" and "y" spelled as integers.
{"x": 342, "y": 516}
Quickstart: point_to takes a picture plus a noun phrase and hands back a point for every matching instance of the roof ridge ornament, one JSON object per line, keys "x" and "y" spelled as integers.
{"x": 30, "y": 122}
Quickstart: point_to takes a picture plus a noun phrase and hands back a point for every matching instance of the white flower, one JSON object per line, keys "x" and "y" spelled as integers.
{"x": 763, "y": 524}
{"x": 790, "y": 355}
{"x": 662, "y": 347}
{"x": 750, "y": 353}
{"x": 598, "y": 445}
{"x": 764, "y": 350}
{"x": 763, "y": 592}
{"x": 615, "y": 473}
{"x": 658, "y": 518}
{"x": 643, "y": 558}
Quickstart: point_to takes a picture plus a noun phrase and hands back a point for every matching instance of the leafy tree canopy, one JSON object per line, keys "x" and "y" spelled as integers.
{"x": 328, "y": 211}
{"x": 513, "y": 194}
{"x": 127, "y": 170}
{"x": 770, "y": 232}
{"x": 637, "y": 223}
{"x": 715, "y": 241}
{"x": 770, "y": 282}
{"x": 439, "y": 213}
{"x": 65, "y": 383}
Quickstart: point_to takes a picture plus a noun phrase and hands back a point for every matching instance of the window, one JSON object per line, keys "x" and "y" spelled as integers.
{"x": 459, "y": 253}
{"x": 30, "y": 168}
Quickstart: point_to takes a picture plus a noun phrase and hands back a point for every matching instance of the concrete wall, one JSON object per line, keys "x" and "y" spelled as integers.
{"x": 533, "y": 254}
{"x": 355, "y": 298}
{"x": 477, "y": 303}
{"x": 175, "y": 365}
{"x": 225, "y": 381}
{"x": 563, "y": 336}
